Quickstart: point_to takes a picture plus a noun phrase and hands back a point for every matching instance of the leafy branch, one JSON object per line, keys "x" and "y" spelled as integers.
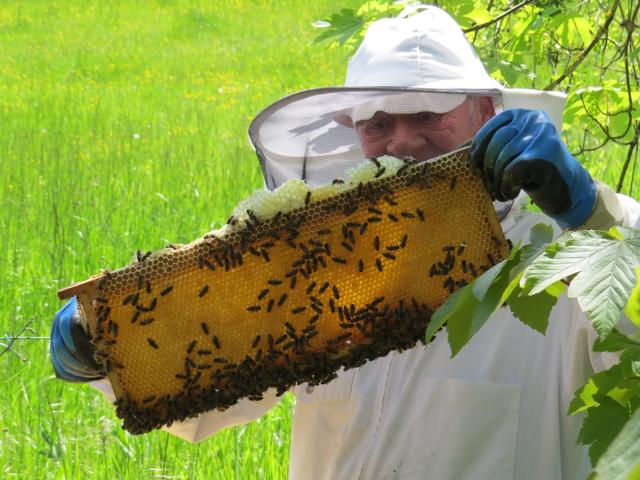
{"x": 584, "y": 53}
{"x": 603, "y": 273}
{"x": 347, "y": 27}
{"x": 633, "y": 147}
{"x": 589, "y": 49}
{"x": 496, "y": 19}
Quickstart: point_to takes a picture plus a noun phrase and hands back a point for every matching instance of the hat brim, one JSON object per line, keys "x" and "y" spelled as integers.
{"x": 402, "y": 103}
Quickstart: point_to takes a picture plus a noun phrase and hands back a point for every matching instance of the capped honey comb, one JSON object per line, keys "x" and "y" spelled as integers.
{"x": 273, "y": 301}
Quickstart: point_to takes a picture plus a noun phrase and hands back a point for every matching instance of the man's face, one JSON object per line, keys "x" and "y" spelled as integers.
{"x": 424, "y": 135}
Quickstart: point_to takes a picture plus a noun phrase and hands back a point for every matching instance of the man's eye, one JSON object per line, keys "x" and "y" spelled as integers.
{"x": 428, "y": 117}
{"x": 377, "y": 126}
{"x": 373, "y": 126}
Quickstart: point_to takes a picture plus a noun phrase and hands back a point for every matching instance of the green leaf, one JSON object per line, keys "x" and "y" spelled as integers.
{"x": 614, "y": 342}
{"x": 630, "y": 361}
{"x": 478, "y": 15}
{"x": 459, "y": 303}
{"x": 618, "y": 232}
{"x": 380, "y": 8}
{"x": 487, "y": 290}
{"x": 632, "y": 310}
{"x": 468, "y": 309}
{"x": 601, "y": 425}
{"x": 540, "y": 235}
{"x": 583, "y": 27}
{"x": 603, "y": 287}
{"x": 598, "y": 386}
{"x": 561, "y": 259}
{"x": 572, "y": 25}
{"x": 513, "y": 286}
{"x": 459, "y": 319}
{"x": 621, "y": 461}
{"x": 605, "y": 272}
{"x": 556, "y": 289}
{"x": 508, "y": 71}
{"x": 632, "y": 369}
{"x": 459, "y": 9}
{"x": 342, "y": 26}
{"x": 482, "y": 284}
{"x": 627, "y": 393}
{"x": 533, "y": 310}
{"x": 583, "y": 398}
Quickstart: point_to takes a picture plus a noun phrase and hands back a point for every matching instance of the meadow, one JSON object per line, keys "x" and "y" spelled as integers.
{"x": 124, "y": 127}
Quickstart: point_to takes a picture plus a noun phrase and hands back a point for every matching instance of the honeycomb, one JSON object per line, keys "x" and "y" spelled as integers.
{"x": 289, "y": 298}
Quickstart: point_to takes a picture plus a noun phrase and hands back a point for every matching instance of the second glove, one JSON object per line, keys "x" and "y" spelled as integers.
{"x": 521, "y": 149}
{"x": 70, "y": 348}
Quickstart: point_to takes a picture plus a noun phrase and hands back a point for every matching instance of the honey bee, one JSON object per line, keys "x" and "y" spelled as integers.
{"x": 336, "y": 292}
{"x": 166, "y": 291}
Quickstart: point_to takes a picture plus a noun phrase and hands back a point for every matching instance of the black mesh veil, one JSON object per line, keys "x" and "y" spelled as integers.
{"x": 310, "y": 135}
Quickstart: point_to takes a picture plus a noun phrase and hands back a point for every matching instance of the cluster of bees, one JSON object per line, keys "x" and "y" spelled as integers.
{"x": 336, "y": 233}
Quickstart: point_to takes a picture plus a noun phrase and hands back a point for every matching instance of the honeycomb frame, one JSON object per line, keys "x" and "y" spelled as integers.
{"x": 274, "y": 302}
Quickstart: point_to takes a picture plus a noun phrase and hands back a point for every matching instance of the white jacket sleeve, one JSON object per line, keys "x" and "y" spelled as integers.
{"x": 611, "y": 209}
{"x": 631, "y": 211}
{"x": 206, "y": 424}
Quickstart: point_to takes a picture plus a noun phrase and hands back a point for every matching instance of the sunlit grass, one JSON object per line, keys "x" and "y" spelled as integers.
{"x": 123, "y": 128}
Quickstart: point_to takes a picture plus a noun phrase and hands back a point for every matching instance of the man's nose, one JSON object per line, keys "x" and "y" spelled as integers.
{"x": 406, "y": 140}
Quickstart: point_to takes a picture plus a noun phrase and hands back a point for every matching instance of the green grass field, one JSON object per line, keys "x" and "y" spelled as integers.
{"x": 123, "y": 127}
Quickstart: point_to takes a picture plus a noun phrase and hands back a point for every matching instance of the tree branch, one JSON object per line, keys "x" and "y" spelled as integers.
{"x": 498, "y": 18}
{"x": 601, "y": 31}
{"x": 632, "y": 146}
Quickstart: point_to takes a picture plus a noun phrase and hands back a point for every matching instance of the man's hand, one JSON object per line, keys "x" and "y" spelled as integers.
{"x": 70, "y": 348}
{"x": 520, "y": 149}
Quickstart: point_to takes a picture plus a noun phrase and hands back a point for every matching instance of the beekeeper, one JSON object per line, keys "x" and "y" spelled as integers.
{"x": 416, "y": 89}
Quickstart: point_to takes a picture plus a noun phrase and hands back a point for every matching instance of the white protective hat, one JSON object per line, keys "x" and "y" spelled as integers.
{"x": 407, "y": 64}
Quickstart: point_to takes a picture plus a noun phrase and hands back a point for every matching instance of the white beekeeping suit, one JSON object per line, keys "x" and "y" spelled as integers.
{"x": 498, "y": 409}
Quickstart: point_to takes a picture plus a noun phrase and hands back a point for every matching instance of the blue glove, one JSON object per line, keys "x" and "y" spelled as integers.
{"x": 520, "y": 149}
{"x": 70, "y": 348}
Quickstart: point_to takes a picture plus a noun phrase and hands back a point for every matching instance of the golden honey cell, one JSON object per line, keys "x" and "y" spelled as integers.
{"x": 276, "y": 299}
